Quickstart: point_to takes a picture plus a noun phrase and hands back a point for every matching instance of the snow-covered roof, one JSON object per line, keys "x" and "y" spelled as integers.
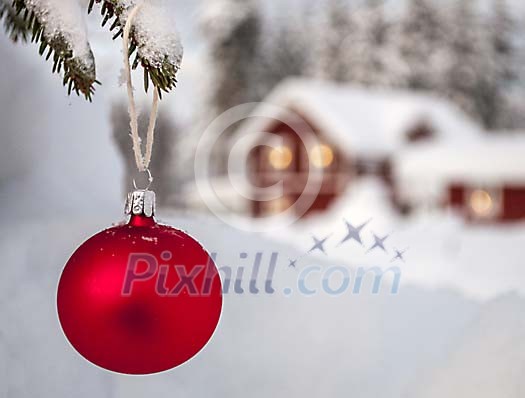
{"x": 493, "y": 160}
{"x": 364, "y": 120}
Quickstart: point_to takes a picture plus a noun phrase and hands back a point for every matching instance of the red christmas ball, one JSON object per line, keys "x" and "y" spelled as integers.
{"x": 139, "y": 298}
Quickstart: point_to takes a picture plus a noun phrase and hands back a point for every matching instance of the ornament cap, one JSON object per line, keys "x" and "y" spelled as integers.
{"x": 140, "y": 202}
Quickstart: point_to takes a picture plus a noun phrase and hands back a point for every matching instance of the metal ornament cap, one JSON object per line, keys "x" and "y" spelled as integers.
{"x": 140, "y": 202}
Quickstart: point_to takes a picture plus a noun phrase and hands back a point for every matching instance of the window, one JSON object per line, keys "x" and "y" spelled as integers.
{"x": 280, "y": 157}
{"x": 484, "y": 203}
{"x": 322, "y": 156}
{"x": 421, "y": 132}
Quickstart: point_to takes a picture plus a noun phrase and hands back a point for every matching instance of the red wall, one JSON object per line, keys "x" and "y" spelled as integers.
{"x": 512, "y": 203}
{"x": 295, "y": 177}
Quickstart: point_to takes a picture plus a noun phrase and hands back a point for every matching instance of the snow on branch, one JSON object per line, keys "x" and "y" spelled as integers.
{"x": 154, "y": 41}
{"x": 59, "y": 27}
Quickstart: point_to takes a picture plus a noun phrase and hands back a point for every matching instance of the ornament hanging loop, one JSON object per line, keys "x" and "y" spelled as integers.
{"x": 150, "y": 181}
{"x": 141, "y": 161}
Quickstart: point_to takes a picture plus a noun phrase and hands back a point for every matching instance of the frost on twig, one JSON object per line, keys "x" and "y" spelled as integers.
{"x": 154, "y": 42}
{"x": 59, "y": 27}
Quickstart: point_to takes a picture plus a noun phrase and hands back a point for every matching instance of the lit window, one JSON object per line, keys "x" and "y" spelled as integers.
{"x": 280, "y": 157}
{"x": 482, "y": 203}
{"x": 322, "y": 156}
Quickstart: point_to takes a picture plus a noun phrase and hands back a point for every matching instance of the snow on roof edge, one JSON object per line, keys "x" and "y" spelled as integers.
{"x": 494, "y": 159}
{"x": 382, "y": 116}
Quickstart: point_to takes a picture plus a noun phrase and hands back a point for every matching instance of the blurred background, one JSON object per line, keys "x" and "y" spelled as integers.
{"x": 418, "y": 109}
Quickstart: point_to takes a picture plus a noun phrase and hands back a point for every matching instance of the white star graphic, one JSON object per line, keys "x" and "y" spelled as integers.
{"x": 399, "y": 255}
{"x": 378, "y": 243}
{"x": 354, "y": 233}
{"x": 319, "y": 244}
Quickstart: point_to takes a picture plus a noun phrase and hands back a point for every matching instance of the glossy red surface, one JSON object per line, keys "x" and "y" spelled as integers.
{"x": 151, "y": 328}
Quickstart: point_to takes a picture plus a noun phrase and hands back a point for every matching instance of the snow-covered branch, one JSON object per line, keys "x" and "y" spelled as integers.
{"x": 59, "y": 27}
{"x": 154, "y": 41}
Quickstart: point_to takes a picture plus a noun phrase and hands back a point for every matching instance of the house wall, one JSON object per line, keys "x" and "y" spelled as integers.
{"x": 509, "y": 202}
{"x": 335, "y": 179}
{"x": 514, "y": 203}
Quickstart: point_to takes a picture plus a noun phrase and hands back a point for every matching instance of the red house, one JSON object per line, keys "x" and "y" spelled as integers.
{"x": 483, "y": 181}
{"x": 335, "y": 134}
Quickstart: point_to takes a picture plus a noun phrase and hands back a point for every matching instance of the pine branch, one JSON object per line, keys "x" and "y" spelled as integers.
{"x": 15, "y": 25}
{"x": 163, "y": 75}
{"x": 24, "y": 21}
{"x": 21, "y": 23}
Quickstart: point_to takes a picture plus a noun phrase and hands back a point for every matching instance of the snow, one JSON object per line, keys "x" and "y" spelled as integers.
{"x": 488, "y": 358}
{"x": 342, "y": 344}
{"x": 154, "y": 29}
{"x": 65, "y": 19}
{"x": 368, "y": 121}
{"x": 156, "y": 35}
{"x": 220, "y": 188}
{"x": 426, "y": 171}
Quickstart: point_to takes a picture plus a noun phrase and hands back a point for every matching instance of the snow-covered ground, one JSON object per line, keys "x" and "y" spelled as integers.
{"x": 479, "y": 261}
{"x": 423, "y": 342}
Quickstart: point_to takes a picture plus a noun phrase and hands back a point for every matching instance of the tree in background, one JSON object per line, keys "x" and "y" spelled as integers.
{"x": 232, "y": 29}
{"x": 286, "y": 53}
{"x": 448, "y": 49}
{"x": 459, "y": 54}
{"x": 501, "y": 28}
{"x": 472, "y": 75}
{"x": 337, "y": 29}
{"x": 370, "y": 52}
{"x": 421, "y": 44}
